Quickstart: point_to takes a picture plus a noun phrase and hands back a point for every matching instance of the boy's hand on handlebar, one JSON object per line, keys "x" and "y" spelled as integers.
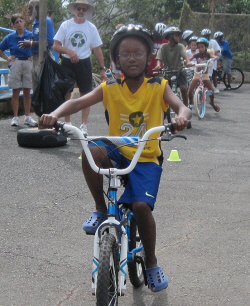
{"x": 179, "y": 124}
{"x": 47, "y": 121}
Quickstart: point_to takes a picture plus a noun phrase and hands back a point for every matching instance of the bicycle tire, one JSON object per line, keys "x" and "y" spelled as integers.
{"x": 107, "y": 279}
{"x": 135, "y": 269}
{"x": 237, "y": 78}
{"x": 199, "y": 106}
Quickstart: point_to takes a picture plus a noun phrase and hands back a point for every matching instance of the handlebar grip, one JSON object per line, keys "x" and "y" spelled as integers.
{"x": 171, "y": 128}
{"x": 58, "y": 125}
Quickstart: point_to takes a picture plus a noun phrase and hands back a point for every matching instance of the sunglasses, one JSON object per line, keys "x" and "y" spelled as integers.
{"x": 84, "y": 9}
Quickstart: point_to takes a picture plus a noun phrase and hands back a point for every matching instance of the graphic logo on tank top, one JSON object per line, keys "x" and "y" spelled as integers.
{"x": 136, "y": 119}
{"x": 78, "y": 39}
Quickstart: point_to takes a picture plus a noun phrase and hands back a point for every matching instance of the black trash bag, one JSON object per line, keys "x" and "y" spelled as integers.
{"x": 53, "y": 84}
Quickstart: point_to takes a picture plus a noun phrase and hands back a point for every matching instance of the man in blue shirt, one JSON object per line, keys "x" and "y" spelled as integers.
{"x": 33, "y": 11}
{"x": 226, "y": 56}
{"x": 20, "y": 68}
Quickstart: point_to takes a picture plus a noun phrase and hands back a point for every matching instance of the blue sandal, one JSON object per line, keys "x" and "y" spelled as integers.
{"x": 91, "y": 225}
{"x": 157, "y": 280}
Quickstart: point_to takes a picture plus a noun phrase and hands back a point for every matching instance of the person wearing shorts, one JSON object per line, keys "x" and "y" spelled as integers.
{"x": 20, "y": 60}
{"x": 75, "y": 40}
{"x": 133, "y": 105}
{"x": 33, "y": 42}
{"x": 226, "y": 56}
{"x": 172, "y": 56}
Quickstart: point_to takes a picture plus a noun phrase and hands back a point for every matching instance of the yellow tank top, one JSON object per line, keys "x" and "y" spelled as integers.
{"x": 132, "y": 114}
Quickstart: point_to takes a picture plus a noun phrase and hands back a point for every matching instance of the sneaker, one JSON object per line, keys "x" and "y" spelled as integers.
{"x": 14, "y": 121}
{"x": 83, "y": 128}
{"x": 216, "y": 90}
{"x": 228, "y": 87}
{"x": 30, "y": 121}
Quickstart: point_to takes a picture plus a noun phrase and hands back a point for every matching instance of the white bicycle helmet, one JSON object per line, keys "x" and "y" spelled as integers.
{"x": 218, "y": 34}
{"x": 187, "y": 34}
{"x": 205, "y": 32}
{"x": 192, "y": 38}
{"x": 160, "y": 28}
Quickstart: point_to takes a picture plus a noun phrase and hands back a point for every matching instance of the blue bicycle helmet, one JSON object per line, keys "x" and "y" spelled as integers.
{"x": 202, "y": 40}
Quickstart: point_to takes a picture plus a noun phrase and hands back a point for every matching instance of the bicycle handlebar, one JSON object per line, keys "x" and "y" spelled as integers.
{"x": 201, "y": 65}
{"x": 87, "y": 141}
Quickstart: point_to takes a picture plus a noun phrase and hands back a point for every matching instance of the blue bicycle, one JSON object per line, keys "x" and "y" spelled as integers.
{"x": 117, "y": 245}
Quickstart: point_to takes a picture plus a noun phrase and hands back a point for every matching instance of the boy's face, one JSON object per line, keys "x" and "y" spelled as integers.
{"x": 193, "y": 45}
{"x": 19, "y": 24}
{"x": 132, "y": 56}
{"x": 177, "y": 37}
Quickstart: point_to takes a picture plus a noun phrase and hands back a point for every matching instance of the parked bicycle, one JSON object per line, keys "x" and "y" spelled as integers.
{"x": 117, "y": 245}
{"x": 237, "y": 77}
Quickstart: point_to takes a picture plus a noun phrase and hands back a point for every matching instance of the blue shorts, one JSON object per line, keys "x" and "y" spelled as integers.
{"x": 143, "y": 180}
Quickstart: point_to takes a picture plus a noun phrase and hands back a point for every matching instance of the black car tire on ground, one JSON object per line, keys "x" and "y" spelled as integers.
{"x": 35, "y": 138}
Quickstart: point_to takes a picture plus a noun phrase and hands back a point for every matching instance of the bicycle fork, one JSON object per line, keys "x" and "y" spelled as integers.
{"x": 122, "y": 239}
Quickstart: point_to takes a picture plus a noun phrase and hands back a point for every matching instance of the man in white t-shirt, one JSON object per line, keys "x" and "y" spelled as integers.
{"x": 213, "y": 44}
{"x": 75, "y": 40}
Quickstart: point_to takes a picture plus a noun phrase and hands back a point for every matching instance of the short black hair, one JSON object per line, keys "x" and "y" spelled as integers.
{"x": 15, "y": 17}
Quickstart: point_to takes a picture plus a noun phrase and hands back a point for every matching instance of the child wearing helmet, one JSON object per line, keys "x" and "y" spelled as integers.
{"x": 159, "y": 40}
{"x": 172, "y": 56}
{"x": 186, "y": 35}
{"x": 133, "y": 105}
{"x": 193, "y": 48}
{"x": 213, "y": 44}
{"x": 202, "y": 56}
{"x": 226, "y": 56}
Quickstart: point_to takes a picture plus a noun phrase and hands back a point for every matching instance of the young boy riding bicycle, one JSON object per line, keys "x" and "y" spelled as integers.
{"x": 134, "y": 104}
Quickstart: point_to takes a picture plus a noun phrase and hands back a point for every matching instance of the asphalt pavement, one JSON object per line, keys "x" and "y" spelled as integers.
{"x": 202, "y": 215}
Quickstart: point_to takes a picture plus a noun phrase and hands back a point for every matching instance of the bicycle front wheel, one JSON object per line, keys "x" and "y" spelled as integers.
{"x": 135, "y": 269}
{"x": 237, "y": 78}
{"x": 107, "y": 279}
{"x": 200, "y": 102}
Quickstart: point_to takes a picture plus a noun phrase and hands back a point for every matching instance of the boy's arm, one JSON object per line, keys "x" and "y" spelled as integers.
{"x": 71, "y": 106}
{"x": 183, "y": 112}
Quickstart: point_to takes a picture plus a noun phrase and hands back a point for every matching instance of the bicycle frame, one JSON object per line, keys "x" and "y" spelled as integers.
{"x": 118, "y": 218}
{"x": 116, "y": 236}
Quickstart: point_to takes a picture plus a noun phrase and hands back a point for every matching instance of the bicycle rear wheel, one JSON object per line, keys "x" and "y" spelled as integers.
{"x": 135, "y": 269}
{"x": 199, "y": 105}
{"x": 237, "y": 78}
{"x": 107, "y": 279}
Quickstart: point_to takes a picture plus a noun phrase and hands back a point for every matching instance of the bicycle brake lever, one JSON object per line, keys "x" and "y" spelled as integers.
{"x": 169, "y": 137}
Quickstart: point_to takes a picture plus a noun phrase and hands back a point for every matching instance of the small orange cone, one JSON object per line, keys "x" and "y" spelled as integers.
{"x": 174, "y": 156}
